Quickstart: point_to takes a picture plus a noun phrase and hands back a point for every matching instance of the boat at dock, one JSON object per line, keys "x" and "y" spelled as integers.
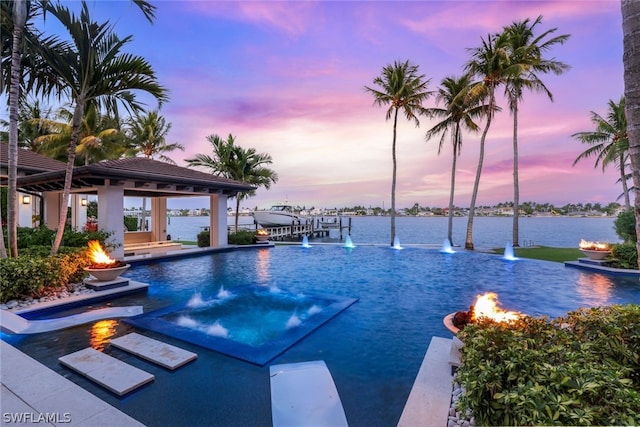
{"x": 277, "y": 215}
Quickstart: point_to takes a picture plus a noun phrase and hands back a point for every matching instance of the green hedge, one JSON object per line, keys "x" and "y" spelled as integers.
{"x": 203, "y": 239}
{"x": 35, "y": 274}
{"x": 580, "y": 369}
{"x": 625, "y": 256}
{"x": 28, "y": 237}
{"x": 242, "y": 237}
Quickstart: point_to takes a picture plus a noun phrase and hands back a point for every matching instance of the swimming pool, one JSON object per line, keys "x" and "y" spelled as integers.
{"x": 373, "y": 349}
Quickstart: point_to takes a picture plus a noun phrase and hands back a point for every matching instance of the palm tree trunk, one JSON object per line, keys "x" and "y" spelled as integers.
{"x": 625, "y": 187}
{"x": 456, "y": 139}
{"x": 393, "y": 180}
{"x": 631, "y": 60}
{"x": 76, "y": 123}
{"x": 468, "y": 244}
{"x": 237, "y": 210}
{"x": 516, "y": 185}
{"x": 19, "y": 20}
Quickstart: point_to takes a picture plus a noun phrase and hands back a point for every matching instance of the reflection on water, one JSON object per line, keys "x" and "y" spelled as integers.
{"x": 595, "y": 288}
{"x": 101, "y": 333}
{"x": 263, "y": 263}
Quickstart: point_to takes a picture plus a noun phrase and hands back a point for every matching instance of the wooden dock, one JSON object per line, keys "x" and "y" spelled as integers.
{"x": 313, "y": 228}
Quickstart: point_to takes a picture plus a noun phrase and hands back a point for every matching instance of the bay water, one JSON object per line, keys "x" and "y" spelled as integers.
{"x": 488, "y": 232}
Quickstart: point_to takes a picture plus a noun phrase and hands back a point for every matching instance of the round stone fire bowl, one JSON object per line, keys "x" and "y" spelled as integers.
{"x": 448, "y": 323}
{"x": 595, "y": 255}
{"x": 107, "y": 274}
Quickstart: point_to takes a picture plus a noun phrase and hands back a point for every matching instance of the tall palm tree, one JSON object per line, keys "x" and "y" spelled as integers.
{"x": 401, "y": 88}
{"x": 631, "y": 60}
{"x": 147, "y": 135}
{"x": 95, "y": 71}
{"x": 27, "y": 72}
{"x": 609, "y": 142}
{"x": 490, "y": 62}
{"x": 458, "y": 114}
{"x": 526, "y": 50}
{"x": 234, "y": 162}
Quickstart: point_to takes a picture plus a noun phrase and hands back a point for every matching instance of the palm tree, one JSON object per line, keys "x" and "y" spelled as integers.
{"x": 401, "y": 88}
{"x": 609, "y": 142}
{"x": 234, "y": 162}
{"x": 27, "y": 72}
{"x": 490, "y": 62}
{"x": 526, "y": 51}
{"x": 147, "y": 135}
{"x": 97, "y": 139}
{"x": 95, "y": 70}
{"x": 458, "y": 113}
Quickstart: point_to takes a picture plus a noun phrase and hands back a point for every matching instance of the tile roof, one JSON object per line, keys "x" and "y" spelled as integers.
{"x": 138, "y": 169}
{"x": 29, "y": 162}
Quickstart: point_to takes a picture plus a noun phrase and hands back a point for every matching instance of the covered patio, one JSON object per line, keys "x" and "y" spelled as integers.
{"x": 112, "y": 180}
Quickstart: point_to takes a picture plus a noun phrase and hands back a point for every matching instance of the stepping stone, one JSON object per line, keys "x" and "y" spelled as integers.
{"x": 305, "y": 394}
{"x": 109, "y": 372}
{"x": 158, "y": 352}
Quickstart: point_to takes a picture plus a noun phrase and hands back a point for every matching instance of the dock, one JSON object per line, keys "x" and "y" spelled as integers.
{"x": 312, "y": 228}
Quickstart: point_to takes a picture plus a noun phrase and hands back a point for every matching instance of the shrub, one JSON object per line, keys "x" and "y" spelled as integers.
{"x": 242, "y": 237}
{"x": 43, "y": 236}
{"x": 131, "y": 223}
{"x": 203, "y": 239}
{"x": 35, "y": 275}
{"x": 625, "y": 256}
{"x": 625, "y": 226}
{"x": 580, "y": 369}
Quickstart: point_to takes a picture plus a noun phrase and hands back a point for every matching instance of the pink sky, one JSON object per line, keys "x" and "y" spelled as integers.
{"x": 287, "y": 78}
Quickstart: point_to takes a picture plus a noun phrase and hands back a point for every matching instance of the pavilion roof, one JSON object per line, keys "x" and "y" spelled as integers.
{"x": 29, "y": 162}
{"x": 140, "y": 176}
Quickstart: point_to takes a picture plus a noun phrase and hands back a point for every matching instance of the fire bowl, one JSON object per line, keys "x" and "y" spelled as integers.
{"x": 107, "y": 274}
{"x": 448, "y": 323}
{"x": 595, "y": 255}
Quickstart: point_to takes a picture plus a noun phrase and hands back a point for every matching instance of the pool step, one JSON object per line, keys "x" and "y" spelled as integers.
{"x": 158, "y": 352}
{"x": 109, "y": 372}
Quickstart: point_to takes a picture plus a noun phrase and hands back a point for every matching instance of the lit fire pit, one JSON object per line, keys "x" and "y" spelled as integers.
{"x": 595, "y": 250}
{"x": 104, "y": 268}
{"x": 486, "y": 306}
{"x": 262, "y": 235}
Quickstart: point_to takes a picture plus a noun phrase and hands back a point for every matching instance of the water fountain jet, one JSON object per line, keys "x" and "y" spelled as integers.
{"x": 348, "y": 243}
{"x": 446, "y": 247}
{"x": 396, "y": 243}
{"x": 305, "y": 242}
{"x": 508, "y": 252}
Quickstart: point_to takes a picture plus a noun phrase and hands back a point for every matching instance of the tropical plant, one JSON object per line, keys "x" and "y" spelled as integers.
{"x": 27, "y": 72}
{"x": 234, "y": 162}
{"x": 99, "y": 137}
{"x": 526, "y": 50}
{"x": 147, "y": 135}
{"x": 491, "y": 64}
{"x": 95, "y": 71}
{"x": 401, "y": 88}
{"x": 608, "y": 143}
{"x": 457, "y": 115}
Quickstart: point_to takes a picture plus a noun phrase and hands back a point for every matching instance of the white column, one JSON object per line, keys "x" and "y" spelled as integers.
{"x": 218, "y": 220}
{"x": 111, "y": 217}
{"x": 78, "y": 212}
{"x": 25, "y": 211}
{"x": 158, "y": 218}
{"x": 51, "y": 213}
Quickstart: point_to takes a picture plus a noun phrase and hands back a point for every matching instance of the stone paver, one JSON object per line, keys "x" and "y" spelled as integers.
{"x": 158, "y": 352}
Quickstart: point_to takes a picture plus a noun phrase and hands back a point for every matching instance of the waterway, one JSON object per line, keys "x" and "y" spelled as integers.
{"x": 488, "y": 232}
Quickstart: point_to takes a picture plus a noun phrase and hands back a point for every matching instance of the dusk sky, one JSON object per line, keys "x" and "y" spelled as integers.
{"x": 287, "y": 78}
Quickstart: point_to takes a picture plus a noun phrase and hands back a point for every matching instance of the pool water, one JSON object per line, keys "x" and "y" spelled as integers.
{"x": 252, "y": 323}
{"x": 373, "y": 349}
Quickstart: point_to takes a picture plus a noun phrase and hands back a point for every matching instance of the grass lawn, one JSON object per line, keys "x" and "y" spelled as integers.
{"x": 546, "y": 253}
